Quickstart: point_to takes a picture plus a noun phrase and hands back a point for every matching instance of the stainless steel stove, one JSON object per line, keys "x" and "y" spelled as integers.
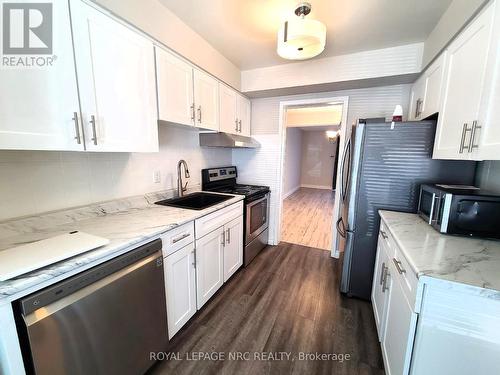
{"x": 256, "y": 206}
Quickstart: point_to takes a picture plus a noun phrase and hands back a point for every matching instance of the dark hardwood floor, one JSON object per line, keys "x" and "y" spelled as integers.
{"x": 287, "y": 300}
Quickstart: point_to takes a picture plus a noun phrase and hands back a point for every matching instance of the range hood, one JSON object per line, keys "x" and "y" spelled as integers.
{"x": 227, "y": 140}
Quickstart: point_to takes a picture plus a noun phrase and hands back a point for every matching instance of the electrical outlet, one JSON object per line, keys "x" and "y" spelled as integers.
{"x": 157, "y": 177}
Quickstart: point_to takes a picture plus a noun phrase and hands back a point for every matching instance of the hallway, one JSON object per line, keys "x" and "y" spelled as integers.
{"x": 308, "y": 218}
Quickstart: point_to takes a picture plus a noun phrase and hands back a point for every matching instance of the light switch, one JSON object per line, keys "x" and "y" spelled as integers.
{"x": 157, "y": 177}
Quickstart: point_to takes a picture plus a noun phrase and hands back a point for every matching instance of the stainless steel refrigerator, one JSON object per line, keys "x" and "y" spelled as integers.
{"x": 382, "y": 167}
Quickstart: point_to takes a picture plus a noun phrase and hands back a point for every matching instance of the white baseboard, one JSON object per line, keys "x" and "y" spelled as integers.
{"x": 286, "y": 195}
{"x": 317, "y": 187}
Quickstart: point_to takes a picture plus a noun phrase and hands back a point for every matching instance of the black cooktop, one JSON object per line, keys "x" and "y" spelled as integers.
{"x": 246, "y": 190}
{"x": 223, "y": 180}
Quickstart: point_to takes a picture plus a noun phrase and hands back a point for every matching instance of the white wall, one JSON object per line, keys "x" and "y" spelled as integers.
{"x": 293, "y": 158}
{"x": 387, "y": 62}
{"x": 450, "y": 23}
{"x": 261, "y": 166}
{"x": 162, "y": 24}
{"x": 37, "y": 181}
{"x": 317, "y": 163}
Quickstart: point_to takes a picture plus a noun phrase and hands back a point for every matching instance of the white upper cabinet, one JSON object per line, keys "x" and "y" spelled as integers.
{"x": 228, "y": 103}
{"x": 425, "y": 96}
{"x": 206, "y": 100}
{"x": 175, "y": 88}
{"x": 39, "y": 107}
{"x": 116, "y": 76}
{"x": 243, "y": 113}
{"x": 464, "y": 85}
{"x": 433, "y": 80}
{"x": 488, "y": 126}
{"x": 417, "y": 97}
{"x": 235, "y": 112}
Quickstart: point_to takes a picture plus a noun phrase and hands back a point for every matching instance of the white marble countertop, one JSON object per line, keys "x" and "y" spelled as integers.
{"x": 471, "y": 261}
{"x": 124, "y": 222}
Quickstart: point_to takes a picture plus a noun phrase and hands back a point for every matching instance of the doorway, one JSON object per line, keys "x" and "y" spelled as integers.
{"x": 311, "y": 136}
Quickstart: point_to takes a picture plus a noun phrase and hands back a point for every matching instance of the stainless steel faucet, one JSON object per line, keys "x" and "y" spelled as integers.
{"x": 182, "y": 188}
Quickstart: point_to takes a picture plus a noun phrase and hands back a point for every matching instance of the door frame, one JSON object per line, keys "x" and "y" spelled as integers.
{"x": 344, "y": 100}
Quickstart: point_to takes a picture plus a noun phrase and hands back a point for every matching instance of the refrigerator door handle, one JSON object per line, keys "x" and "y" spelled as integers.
{"x": 341, "y": 230}
{"x": 343, "y": 187}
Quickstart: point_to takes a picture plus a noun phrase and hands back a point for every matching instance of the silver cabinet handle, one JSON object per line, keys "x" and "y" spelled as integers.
{"x": 239, "y": 123}
{"x": 384, "y": 235}
{"x": 384, "y": 285}
{"x": 180, "y": 238}
{"x": 223, "y": 238}
{"x": 194, "y": 258}
{"x": 236, "y": 123}
{"x": 228, "y": 235}
{"x": 199, "y": 114}
{"x": 192, "y": 112}
{"x": 465, "y": 130}
{"x": 418, "y": 107}
{"x": 472, "y": 146}
{"x": 398, "y": 265}
{"x": 382, "y": 274}
{"x": 92, "y": 122}
{"x": 77, "y": 128}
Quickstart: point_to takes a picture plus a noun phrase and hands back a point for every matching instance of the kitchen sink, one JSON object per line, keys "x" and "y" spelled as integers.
{"x": 195, "y": 201}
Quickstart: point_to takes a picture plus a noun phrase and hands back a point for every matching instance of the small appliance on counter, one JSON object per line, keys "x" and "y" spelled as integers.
{"x": 461, "y": 210}
{"x": 255, "y": 210}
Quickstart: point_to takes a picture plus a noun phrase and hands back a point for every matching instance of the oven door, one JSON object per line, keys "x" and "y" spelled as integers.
{"x": 257, "y": 218}
{"x": 474, "y": 216}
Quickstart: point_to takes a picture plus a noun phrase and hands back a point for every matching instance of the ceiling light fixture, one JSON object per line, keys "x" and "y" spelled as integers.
{"x": 301, "y": 38}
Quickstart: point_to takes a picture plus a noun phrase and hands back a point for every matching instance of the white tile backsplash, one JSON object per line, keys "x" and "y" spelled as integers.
{"x": 32, "y": 182}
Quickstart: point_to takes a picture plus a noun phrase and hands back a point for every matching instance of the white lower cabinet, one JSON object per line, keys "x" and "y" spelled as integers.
{"x": 380, "y": 288}
{"x": 180, "y": 279}
{"x": 400, "y": 324}
{"x": 429, "y": 325}
{"x": 219, "y": 254}
{"x": 233, "y": 254}
{"x": 393, "y": 299}
{"x": 209, "y": 265}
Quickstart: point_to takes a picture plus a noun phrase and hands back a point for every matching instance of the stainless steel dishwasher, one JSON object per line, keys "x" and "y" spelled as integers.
{"x": 105, "y": 320}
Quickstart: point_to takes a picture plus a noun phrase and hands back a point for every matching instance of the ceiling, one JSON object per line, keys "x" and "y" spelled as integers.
{"x": 245, "y": 30}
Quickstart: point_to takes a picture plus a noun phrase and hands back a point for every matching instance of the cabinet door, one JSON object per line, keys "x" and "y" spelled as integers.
{"x": 116, "y": 78}
{"x": 180, "y": 279}
{"x": 417, "y": 97}
{"x": 488, "y": 135}
{"x": 228, "y": 118}
{"x": 243, "y": 114}
{"x": 463, "y": 86}
{"x": 175, "y": 88}
{"x": 206, "y": 99}
{"x": 38, "y": 105}
{"x": 233, "y": 249}
{"x": 209, "y": 265}
{"x": 400, "y": 328}
{"x": 433, "y": 86}
{"x": 380, "y": 289}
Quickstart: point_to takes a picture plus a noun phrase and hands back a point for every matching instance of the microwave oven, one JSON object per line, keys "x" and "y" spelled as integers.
{"x": 460, "y": 210}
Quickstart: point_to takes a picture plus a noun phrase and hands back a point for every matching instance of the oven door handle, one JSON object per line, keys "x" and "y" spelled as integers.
{"x": 253, "y": 203}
